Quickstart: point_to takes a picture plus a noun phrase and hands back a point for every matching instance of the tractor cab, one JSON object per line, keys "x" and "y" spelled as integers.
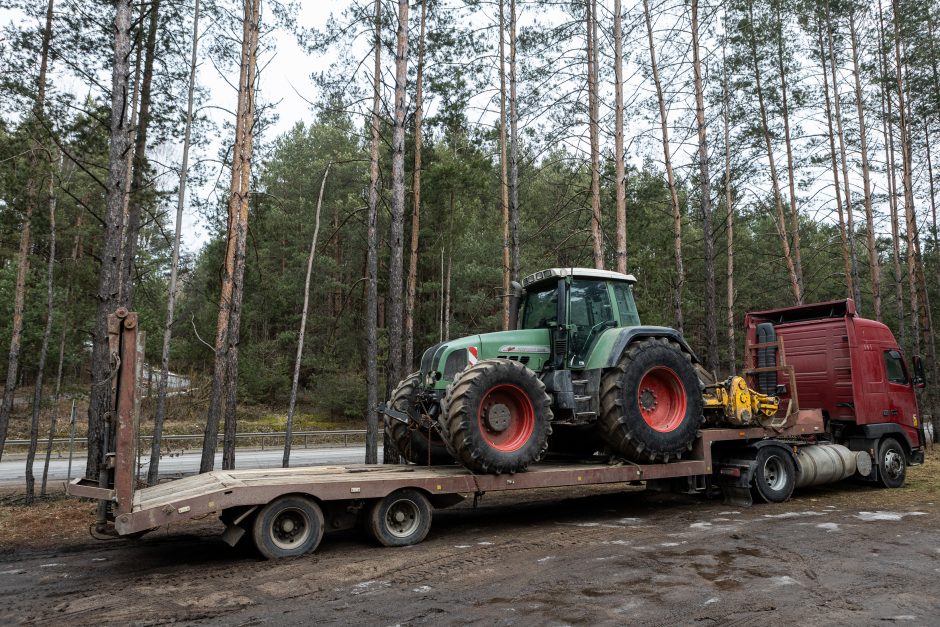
{"x": 576, "y": 305}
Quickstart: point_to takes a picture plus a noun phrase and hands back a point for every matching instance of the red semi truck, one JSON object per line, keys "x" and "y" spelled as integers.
{"x": 862, "y": 421}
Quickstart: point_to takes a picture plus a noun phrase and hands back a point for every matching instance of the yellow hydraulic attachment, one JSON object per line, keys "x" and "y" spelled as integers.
{"x": 736, "y": 404}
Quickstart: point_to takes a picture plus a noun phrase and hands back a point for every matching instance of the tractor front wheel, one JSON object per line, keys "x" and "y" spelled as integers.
{"x": 497, "y": 417}
{"x": 651, "y": 403}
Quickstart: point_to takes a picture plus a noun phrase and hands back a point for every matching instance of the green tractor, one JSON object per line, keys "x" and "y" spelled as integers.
{"x": 577, "y": 375}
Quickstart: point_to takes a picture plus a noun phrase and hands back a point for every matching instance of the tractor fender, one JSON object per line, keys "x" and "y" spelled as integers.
{"x": 631, "y": 334}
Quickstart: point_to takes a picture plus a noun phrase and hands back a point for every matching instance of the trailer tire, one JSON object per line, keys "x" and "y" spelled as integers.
{"x": 288, "y": 526}
{"x": 497, "y": 417}
{"x": 417, "y": 443}
{"x": 402, "y": 518}
{"x": 651, "y": 402}
{"x": 892, "y": 464}
{"x": 774, "y": 474}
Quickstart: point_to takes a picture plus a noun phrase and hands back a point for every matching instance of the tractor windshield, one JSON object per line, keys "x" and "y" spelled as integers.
{"x": 541, "y": 308}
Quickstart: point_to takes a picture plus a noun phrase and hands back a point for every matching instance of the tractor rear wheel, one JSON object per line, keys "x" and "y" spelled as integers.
{"x": 497, "y": 417}
{"x": 651, "y": 403}
{"x": 418, "y": 442}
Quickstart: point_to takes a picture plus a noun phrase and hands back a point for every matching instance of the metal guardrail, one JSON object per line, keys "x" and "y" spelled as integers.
{"x": 259, "y": 435}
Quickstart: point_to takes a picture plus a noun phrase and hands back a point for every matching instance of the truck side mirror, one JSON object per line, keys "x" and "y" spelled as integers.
{"x": 920, "y": 379}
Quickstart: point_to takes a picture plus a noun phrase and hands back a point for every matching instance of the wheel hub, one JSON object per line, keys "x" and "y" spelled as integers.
{"x": 893, "y": 463}
{"x": 648, "y": 399}
{"x": 497, "y": 417}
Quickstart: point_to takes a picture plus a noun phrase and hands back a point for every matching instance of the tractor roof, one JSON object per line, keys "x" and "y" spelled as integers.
{"x": 581, "y": 273}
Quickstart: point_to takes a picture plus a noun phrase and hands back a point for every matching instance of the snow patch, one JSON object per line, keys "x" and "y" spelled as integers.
{"x": 670, "y": 544}
{"x": 546, "y": 558}
{"x": 829, "y": 527}
{"x": 710, "y": 601}
{"x": 784, "y": 580}
{"x": 903, "y": 617}
{"x": 485, "y": 543}
{"x": 728, "y": 513}
{"x": 15, "y": 571}
{"x": 422, "y": 589}
{"x": 461, "y": 546}
{"x": 700, "y": 525}
{"x": 51, "y": 565}
{"x": 793, "y": 514}
{"x": 882, "y": 515}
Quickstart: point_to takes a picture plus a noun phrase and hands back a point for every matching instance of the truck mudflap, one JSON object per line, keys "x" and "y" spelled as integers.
{"x": 734, "y": 480}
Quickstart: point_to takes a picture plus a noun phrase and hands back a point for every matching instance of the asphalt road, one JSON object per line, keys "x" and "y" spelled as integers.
{"x": 188, "y": 463}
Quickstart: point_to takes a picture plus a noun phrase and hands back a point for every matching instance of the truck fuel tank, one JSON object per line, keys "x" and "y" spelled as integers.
{"x": 819, "y": 464}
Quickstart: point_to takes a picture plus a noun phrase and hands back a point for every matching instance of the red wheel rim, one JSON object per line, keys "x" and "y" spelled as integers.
{"x": 502, "y": 402}
{"x": 661, "y": 399}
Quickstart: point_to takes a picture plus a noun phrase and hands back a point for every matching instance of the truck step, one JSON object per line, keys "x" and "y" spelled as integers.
{"x": 586, "y": 413}
{"x": 579, "y": 382}
{"x": 582, "y": 399}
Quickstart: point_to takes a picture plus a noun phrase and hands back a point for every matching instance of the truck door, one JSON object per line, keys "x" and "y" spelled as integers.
{"x": 901, "y": 400}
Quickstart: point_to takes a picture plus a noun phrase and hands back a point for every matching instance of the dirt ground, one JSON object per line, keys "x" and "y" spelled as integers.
{"x": 841, "y": 554}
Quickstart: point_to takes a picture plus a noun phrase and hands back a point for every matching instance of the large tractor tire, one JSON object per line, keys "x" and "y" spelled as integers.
{"x": 651, "y": 403}
{"x": 497, "y": 417}
{"x": 418, "y": 443}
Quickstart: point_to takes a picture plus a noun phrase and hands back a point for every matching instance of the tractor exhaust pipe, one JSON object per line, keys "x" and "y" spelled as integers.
{"x": 515, "y": 301}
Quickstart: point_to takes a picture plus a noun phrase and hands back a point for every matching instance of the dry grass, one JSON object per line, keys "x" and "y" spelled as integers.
{"x": 54, "y": 521}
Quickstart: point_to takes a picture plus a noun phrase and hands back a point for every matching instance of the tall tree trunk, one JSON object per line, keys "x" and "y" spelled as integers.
{"x": 670, "y": 178}
{"x": 853, "y": 281}
{"x": 513, "y": 148}
{"x": 210, "y": 440}
{"x": 888, "y": 130}
{"x": 597, "y": 234}
{"x": 372, "y": 385}
{"x": 619, "y": 166}
{"x": 396, "y": 229}
{"x": 503, "y": 171}
{"x": 416, "y": 213}
{"x": 874, "y": 268}
{"x": 711, "y": 329}
{"x": 774, "y": 179}
{"x": 33, "y": 185}
{"x": 729, "y": 215}
{"x": 44, "y": 349}
{"x": 837, "y": 187}
{"x": 138, "y": 183}
{"x": 253, "y": 20}
{"x": 791, "y": 170}
{"x": 109, "y": 270}
{"x": 303, "y": 325}
{"x": 153, "y": 471}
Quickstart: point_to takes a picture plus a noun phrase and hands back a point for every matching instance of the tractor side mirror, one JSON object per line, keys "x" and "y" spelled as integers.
{"x": 515, "y": 302}
{"x": 920, "y": 379}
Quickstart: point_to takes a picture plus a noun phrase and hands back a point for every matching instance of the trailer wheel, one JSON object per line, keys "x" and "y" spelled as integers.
{"x": 775, "y": 475}
{"x": 402, "y": 518}
{"x": 287, "y": 527}
{"x": 892, "y": 464}
{"x": 497, "y": 417}
{"x": 651, "y": 403}
{"x": 417, "y": 443}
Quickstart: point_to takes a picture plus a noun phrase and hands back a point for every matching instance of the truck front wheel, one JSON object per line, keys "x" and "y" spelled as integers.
{"x": 774, "y": 475}
{"x": 287, "y": 527}
{"x": 892, "y": 464}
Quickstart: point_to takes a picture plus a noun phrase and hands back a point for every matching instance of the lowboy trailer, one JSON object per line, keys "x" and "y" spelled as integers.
{"x": 285, "y": 512}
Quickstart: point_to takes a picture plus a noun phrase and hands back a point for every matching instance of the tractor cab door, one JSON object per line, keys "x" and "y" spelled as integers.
{"x": 589, "y": 314}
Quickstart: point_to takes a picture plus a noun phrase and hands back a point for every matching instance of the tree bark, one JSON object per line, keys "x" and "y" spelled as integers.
{"x": 242, "y": 121}
{"x": 853, "y": 281}
{"x": 503, "y": 171}
{"x": 619, "y": 166}
{"x": 303, "y": 325}
{"x": 372, "y": 386}
{"x": 729, "y": 216}
{"x": 670, "y": 178}
{"x": 597, "y": 234}
{"x": 43, "y": 351}
{"x": 791, "y": 170}
{"x": 837, "y": 187}
{"x": 160, "y": 411}
{"x": 410, "y": 302}
{"x": 33, "y": 185}
{"x": 253, "y": 19}
{"x": 396, "y": 229}
{"x": 874, "y": 268}
{"x": 138, "y": 182}
{"x": 109, "y": 270}
{"x": 513, "y": 148}
{"x": 711, "y": 330}
{"x": 774, "y": 179}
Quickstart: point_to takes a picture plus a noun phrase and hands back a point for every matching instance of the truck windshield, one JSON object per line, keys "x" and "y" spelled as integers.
{"x": 541, "y": 308}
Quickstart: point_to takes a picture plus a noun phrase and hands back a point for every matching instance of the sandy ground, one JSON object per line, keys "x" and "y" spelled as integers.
{"x": 614, "y": 555}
